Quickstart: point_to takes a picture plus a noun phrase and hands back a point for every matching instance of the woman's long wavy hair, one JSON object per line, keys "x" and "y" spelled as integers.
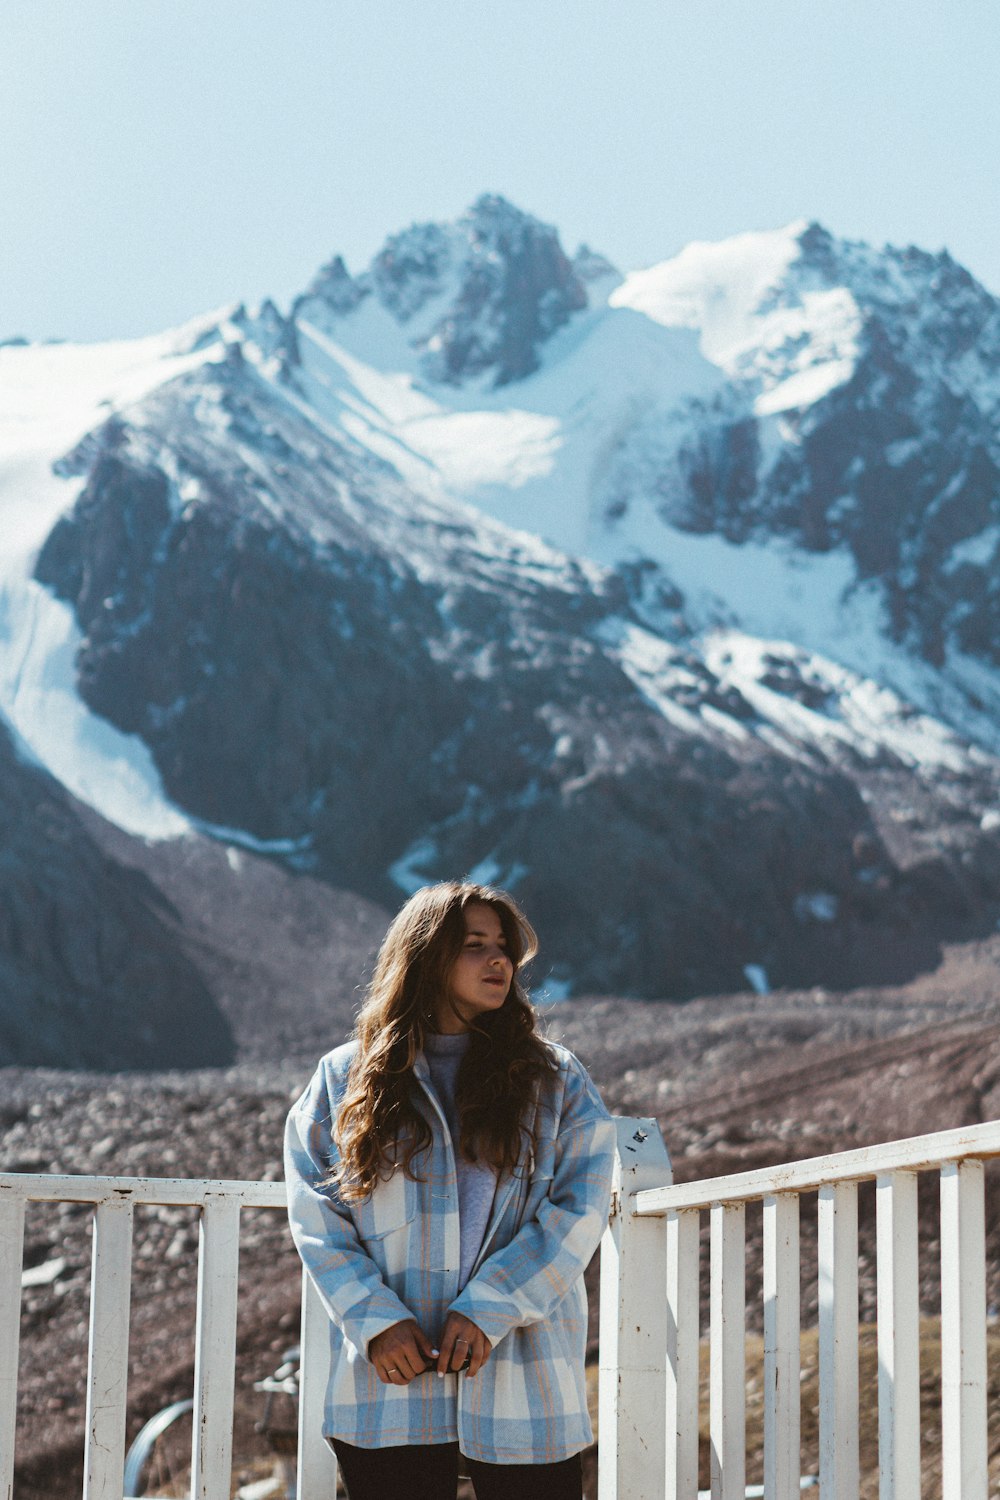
{"x": 380, "y": 1125}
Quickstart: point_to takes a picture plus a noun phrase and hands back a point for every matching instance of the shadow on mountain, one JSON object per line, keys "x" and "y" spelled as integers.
{"x": 91, "y": 974}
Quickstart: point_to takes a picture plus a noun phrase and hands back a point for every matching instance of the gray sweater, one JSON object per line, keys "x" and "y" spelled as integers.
{"x": 476, "y": 1180}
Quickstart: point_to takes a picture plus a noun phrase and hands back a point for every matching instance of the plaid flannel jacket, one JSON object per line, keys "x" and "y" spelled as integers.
{"x": 395, "y": 1255}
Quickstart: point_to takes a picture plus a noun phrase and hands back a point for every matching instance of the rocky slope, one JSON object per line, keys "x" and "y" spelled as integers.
{"x": 90, "y": 972}
{"x": 284, "y": 955}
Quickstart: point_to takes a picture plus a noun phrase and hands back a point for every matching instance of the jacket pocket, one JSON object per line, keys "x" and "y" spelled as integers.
{"x": 389, "y": 1208}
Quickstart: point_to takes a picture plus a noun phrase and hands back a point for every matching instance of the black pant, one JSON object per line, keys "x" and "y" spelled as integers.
{"x": 430, "y": 1472}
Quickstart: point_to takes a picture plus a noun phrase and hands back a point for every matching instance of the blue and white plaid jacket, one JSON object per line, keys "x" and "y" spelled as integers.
{"x": 395, "y": 1255}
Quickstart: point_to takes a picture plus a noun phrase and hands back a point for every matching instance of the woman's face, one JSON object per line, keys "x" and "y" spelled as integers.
{"x": 481, "y": 974}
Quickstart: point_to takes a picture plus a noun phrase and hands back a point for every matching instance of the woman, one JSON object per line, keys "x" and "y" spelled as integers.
{"x": 449, "y": 1177}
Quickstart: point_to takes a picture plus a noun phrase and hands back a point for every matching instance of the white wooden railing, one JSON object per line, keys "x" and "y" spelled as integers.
{"x": 114, "y": 1200}
{"x": 650, "y": 1296}
{"x": 650, "y": 1333}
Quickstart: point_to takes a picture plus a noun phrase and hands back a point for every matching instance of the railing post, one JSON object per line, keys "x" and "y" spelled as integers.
{"x": 839, "y": 1470}
{"x": 633, "y": 1333}
{"x": 898, "y": 1337}
{"x": 11, "y": 1257}
{"x": 215, "y": 1347}
{"x": 110, "y": 1302}
{"x": 782, "y": 1393}
{"x": 963, "y": 1331}
{"x": 727, "y": 1351}
{"x": 316, "y": 1472}
{"x": 683, "y": 1313}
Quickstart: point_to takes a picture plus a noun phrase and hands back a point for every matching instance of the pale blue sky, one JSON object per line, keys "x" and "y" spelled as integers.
{"x": 161, "y": 157}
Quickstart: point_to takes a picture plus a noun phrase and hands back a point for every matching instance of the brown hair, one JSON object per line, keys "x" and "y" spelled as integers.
{"x": 379, "y": 1124}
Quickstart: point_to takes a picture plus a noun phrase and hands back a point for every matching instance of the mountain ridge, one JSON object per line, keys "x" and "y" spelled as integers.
{"x": 804, "y": 433}
{"x": 292, "y": 566}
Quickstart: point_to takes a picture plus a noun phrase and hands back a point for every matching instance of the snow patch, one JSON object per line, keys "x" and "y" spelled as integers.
{"x": 756, "y": 977}
{"x": 409, "y": 871}
{"x": 50, "y": 397}
{"x": 802, "y": 703}
{"x": 978, "y": 550}
{"x": 490, "y": 871}
{"x": 603, "y": 371}
{"x": 287, "y": 847}
{"x": 804, "y": 387}
{"x": 775, "y": 592}
{"x": 821, "y": 906}
{"x": 809, "y": 698}
{"x": 759, "y": 315}
{"x": 553, "y": 992}
{"x": 714, "y": 287}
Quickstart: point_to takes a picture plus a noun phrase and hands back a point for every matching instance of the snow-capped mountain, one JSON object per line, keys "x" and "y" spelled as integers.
{"x": 871, "y": 441}
{"x": 489, "y": 559}
{"x": 800, "y": 433}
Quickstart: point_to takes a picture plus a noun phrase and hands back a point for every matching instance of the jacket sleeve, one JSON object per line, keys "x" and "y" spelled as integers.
{"x": 527, "y": 1279}
{"x": 349, "y": 1282}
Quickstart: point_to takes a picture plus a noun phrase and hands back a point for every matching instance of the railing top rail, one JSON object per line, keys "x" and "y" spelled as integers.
{"x": 914, "y": 1155}
{"x": 48, "y": 1187}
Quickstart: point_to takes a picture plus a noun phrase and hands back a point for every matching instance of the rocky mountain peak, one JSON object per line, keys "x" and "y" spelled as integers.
{"x": 412, "y": 267}
{"x": 590, "y": 266}
{"x": 925, "y": 293}
{"x": 476, "y": 297}
{"x": 818, "y": 250}
{"x": 517, "y": 287}
{"x": 334, "y": 285}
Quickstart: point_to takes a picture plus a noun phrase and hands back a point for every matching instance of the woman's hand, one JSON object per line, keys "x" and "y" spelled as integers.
{"x": 401, "y": 1352}
{"x": 461, "y": 1340}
